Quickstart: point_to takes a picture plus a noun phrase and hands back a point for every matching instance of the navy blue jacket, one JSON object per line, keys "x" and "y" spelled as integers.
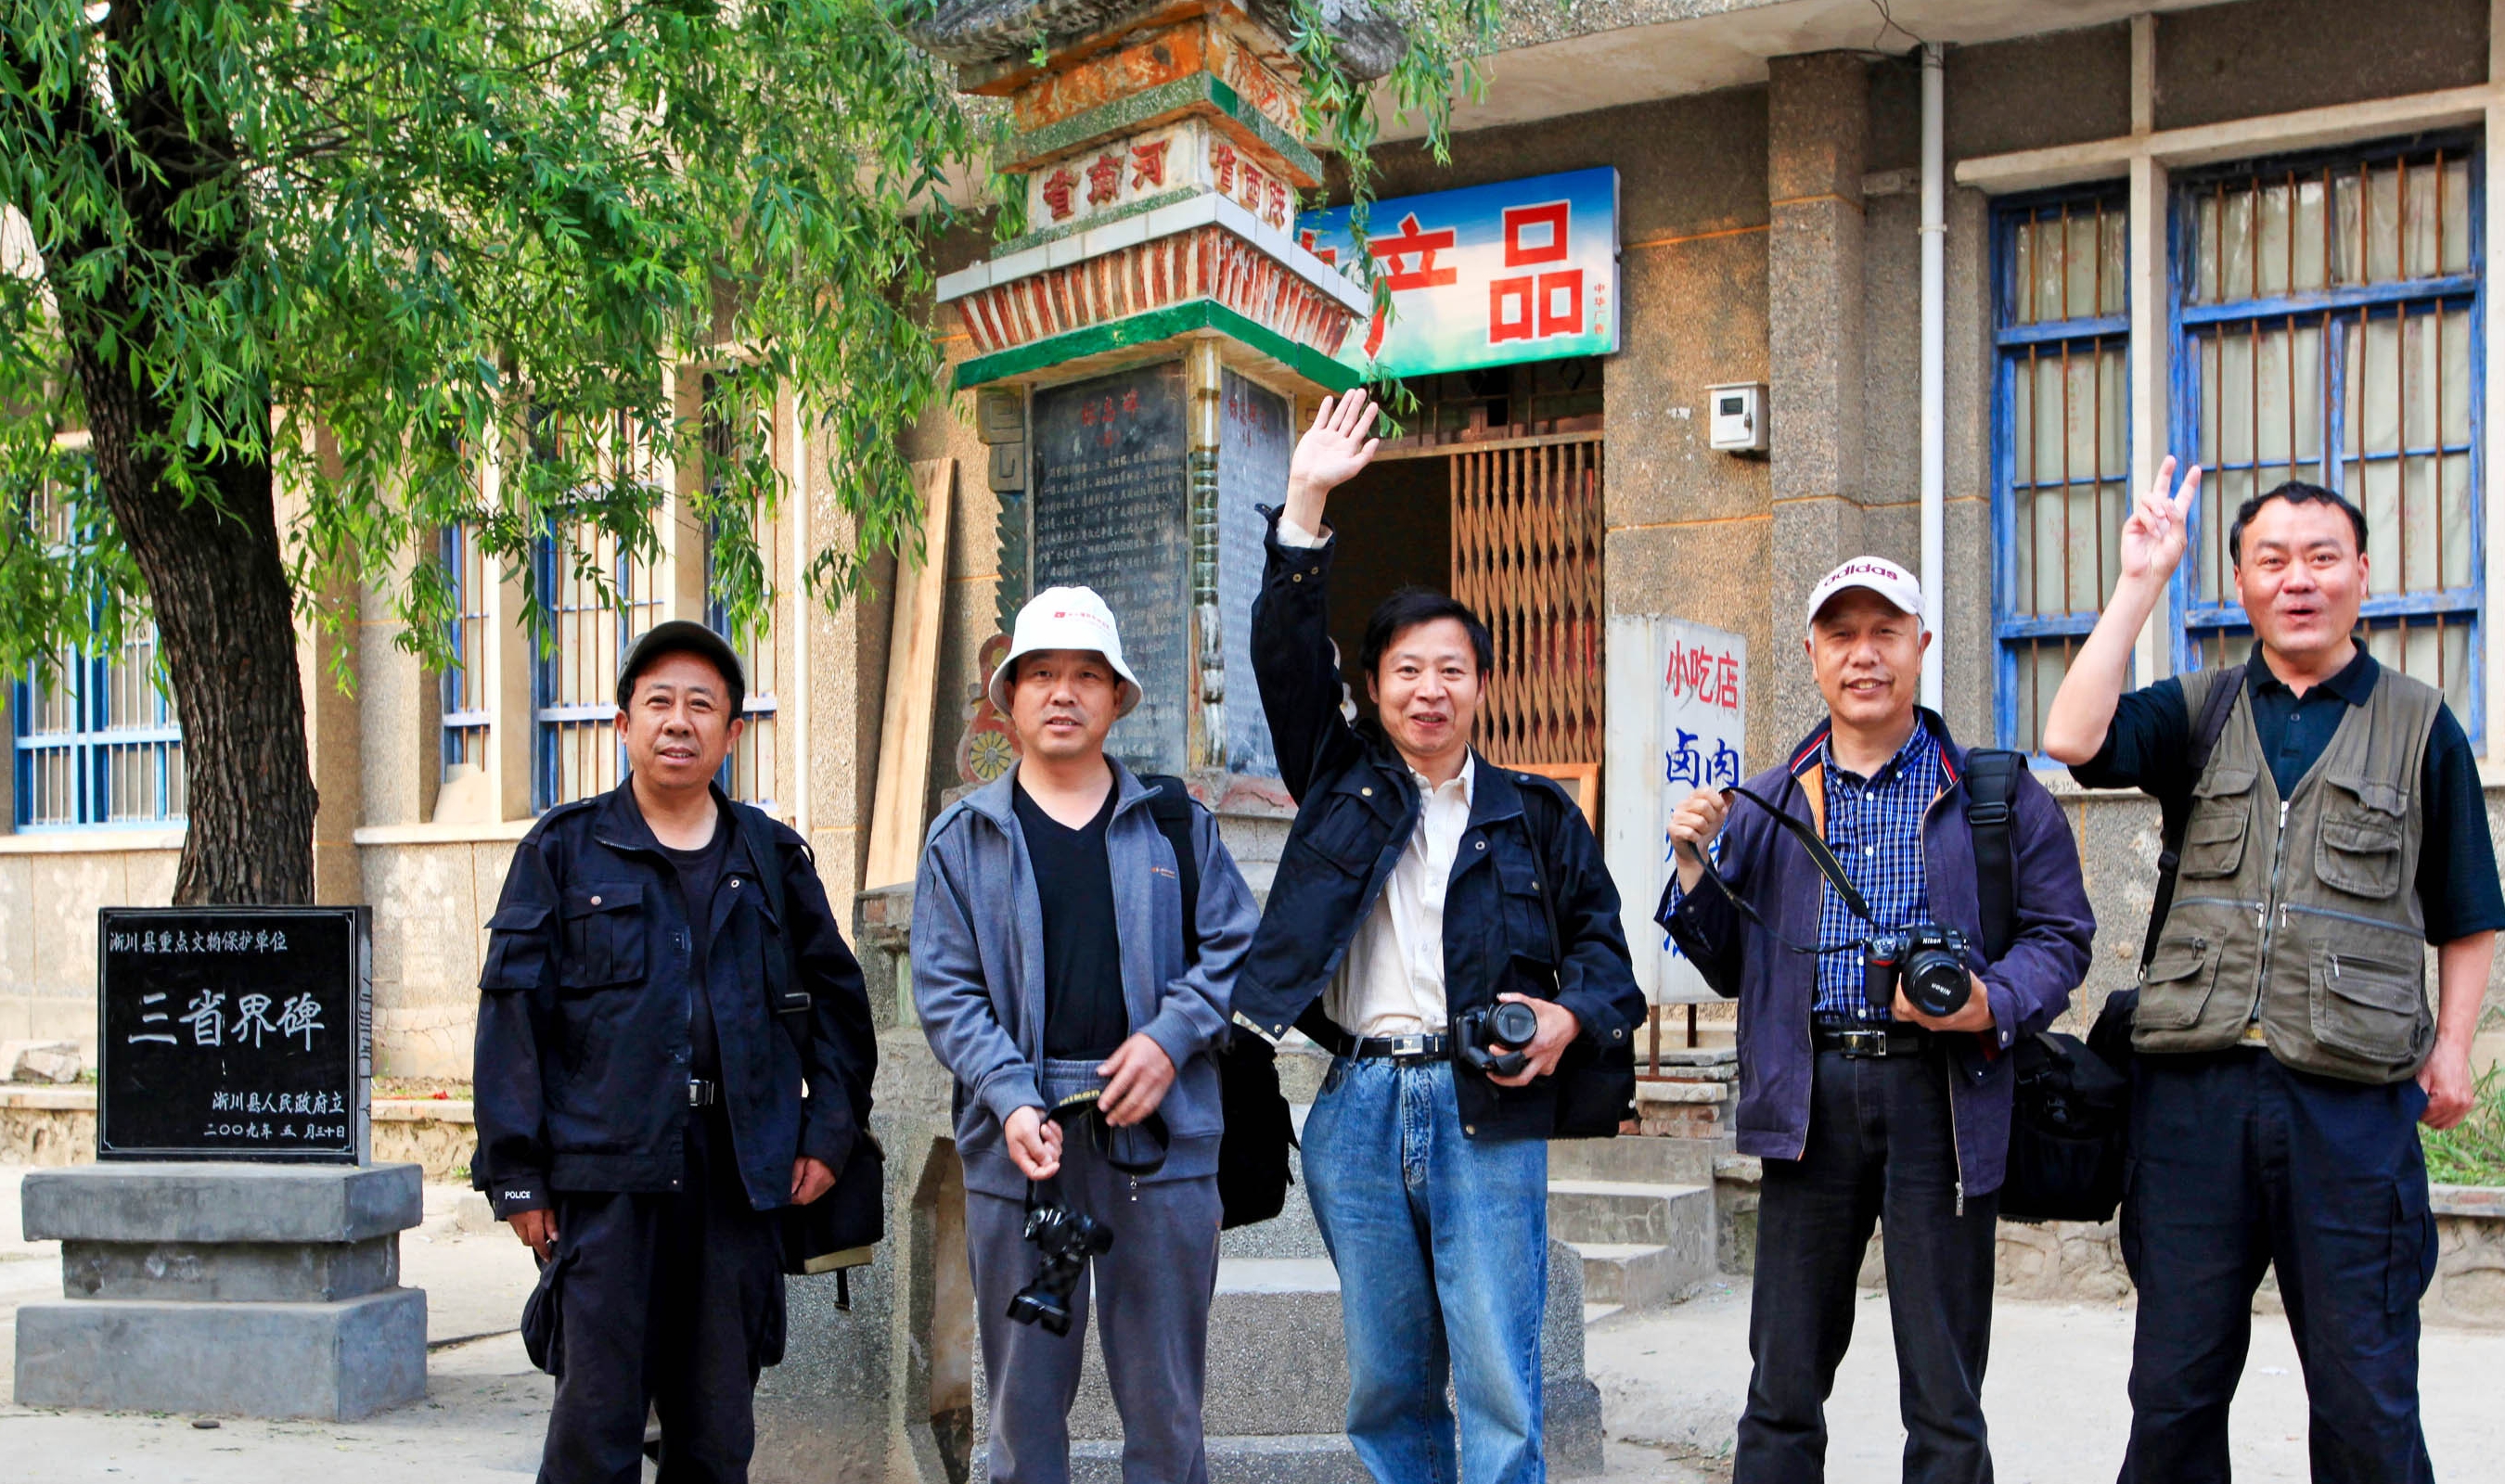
{"x": 581, "y": 1076}
{"x": 2027, "y": 986}
{"x": 1357, "y": 806}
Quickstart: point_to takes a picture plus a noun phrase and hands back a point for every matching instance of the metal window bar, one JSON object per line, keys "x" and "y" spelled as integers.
{"x": 574, "y": 702}
{"x": 99, "y": 743}
{"x": 1527, "y": 543}
{"x": 2061, "y": 440}
{"x": 2327, "y": 317}
{"x": 467, "y": 711}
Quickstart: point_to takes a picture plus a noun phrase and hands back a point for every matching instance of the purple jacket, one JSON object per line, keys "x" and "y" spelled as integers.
{"x": 2028, "y": 985}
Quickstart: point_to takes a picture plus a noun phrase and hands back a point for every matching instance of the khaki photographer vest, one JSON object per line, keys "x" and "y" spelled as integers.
{"x": 2296, "y": 922}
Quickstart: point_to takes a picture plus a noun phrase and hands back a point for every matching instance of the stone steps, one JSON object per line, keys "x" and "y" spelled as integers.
{"x": 1641, "y": 1243}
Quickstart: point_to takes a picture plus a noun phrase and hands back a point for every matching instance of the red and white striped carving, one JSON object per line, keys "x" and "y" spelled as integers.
{"x": 1205, "y": 262}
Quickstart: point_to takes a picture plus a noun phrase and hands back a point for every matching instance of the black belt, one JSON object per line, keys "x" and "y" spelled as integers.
{"x": 702, "y": 1093}
{"x": 1419, "y": 1047}
{"x": 1875, "y": 1039}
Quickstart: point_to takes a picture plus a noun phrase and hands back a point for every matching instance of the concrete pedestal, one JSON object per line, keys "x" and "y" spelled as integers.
{"x": 247, "y": 1290}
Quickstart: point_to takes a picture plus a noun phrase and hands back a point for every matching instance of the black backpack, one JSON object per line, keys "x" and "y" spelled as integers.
{"x": 2070, "y": 1128}
{"x": 1252, "y": 1174}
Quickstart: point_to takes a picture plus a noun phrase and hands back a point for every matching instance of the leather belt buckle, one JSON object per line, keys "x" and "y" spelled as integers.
{"x": 702, "y": 1093}
{"x": 1408, "y": 1045}
{"x": 1862, "y": 1045}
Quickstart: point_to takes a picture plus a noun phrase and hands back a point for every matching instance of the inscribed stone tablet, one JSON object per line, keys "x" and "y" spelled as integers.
{"x": 1111, "y": 512}
{"x": 1253, "y": 446}
{"x": 234, "y": 1033}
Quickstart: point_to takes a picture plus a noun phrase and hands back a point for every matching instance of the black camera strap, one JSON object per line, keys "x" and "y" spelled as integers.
{"x": 1081, "y": 1110}
{"x": 1819, "y": 855}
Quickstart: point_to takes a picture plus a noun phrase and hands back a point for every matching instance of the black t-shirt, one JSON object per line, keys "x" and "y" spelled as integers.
{"x": 2149, "y": 747}
{"x": 1084, "y": 1016}
{"x": 698, "y": 869}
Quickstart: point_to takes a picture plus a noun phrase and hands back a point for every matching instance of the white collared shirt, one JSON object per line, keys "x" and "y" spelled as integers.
{"x": 1392, "y": 982}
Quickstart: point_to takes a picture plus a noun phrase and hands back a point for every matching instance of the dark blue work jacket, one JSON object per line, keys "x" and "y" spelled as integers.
{"x": 580, "y": 1077}
{"x": 1357, "y": 804}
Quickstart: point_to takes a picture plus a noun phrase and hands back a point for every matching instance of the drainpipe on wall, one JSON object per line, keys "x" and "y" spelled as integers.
{"x": 1935, "y": 232}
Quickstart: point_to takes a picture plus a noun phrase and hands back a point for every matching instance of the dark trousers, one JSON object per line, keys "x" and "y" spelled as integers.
{"x": 668, "y": 1303}
{"x": 2241, "y": 1165}
{"x": 1151, "y": 1295}
{"x": 1881, "y": 1148}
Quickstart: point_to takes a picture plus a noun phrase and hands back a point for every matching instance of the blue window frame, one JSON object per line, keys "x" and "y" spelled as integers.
{"x": 95, "y": 741}
{"x": 2326, "y": 327}
{"x": 2061, "y": 438}
{"x": 468, "y": 712}
{"x": 574, "y": 683}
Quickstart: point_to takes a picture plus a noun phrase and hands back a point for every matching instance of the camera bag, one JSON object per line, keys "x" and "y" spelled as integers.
{"x": 2069, "y": 1131}
{"x": 2069, "y": 1115}
{"x": 1252, "y": 1173}
{"x": 1596, "y": 1084}
{"x": 835, "y": 1233}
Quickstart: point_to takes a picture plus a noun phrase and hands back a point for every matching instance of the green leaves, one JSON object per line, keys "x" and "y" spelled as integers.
{"x": 378, "y": 242}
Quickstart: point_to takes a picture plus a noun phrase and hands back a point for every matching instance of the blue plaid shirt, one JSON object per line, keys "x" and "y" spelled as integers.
{"x": 1875, "y": 828}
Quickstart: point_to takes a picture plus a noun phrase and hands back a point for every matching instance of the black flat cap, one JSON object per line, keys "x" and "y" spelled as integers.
{"x": 680, "y": 636}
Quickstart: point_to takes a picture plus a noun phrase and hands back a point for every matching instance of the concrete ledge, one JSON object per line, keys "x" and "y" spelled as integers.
{"x": 333, "y": 1361}
{"x": 230, "y": 1272}
{"x": 222, "y": 1202}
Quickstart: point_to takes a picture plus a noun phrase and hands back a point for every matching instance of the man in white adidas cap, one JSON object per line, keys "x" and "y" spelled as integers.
{"x": 1863, "y": 1105}
{"x": 1057, "y": 981}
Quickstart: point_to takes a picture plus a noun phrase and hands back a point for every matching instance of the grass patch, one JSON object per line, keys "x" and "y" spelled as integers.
{"x": 2472, "y": 1151}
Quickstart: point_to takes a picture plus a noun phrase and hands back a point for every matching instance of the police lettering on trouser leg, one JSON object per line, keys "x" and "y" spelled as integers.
{"x": 642, "y": 1112}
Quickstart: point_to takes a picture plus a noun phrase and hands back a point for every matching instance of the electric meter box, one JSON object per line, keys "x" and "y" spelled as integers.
{"x": 1736, "y": 417}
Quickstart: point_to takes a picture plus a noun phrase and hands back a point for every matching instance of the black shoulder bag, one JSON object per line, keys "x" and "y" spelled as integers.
{"x": 2069, "y": 1131}
{"x": 1252, "y": 1174}
{"x": 835, "y": 1233}
{"x": 1596, "y": 1084}
{"x": 2070, "y": 1112}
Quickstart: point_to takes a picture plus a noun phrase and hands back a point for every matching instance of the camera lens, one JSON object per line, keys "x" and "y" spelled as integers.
{"x": 1513, "y": 1023}
{"x": 1936, "y": 980}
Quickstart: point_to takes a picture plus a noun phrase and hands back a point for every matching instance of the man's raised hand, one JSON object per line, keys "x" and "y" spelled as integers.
{"x": 2153, "y": 539}
{"x": 1340, "y": 443}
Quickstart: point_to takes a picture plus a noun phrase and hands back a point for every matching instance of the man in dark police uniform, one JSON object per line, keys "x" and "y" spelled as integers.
{"x": 642, "y": 1115}
{"x": 2286, "y": 1051}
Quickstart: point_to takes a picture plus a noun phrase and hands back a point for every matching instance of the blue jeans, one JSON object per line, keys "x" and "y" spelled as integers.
{"x": 1441, "y": 1242}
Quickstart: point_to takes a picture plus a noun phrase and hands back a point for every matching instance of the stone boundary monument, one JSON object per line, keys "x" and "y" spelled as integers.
{"x": 231, "y": 1251}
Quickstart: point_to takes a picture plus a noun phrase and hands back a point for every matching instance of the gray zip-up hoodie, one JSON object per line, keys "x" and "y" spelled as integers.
{"x": 978, "y": 968}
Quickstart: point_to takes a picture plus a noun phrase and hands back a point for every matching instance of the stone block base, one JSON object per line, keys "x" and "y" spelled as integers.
{"x": 330, "y": 1361}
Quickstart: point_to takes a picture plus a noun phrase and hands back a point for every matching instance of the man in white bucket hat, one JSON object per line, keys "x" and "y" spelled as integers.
{"x": 1057, "y": 980}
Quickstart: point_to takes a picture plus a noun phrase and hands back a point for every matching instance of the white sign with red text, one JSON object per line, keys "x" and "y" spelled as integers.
{"x": 1521, "y": 270}
{"x": 1678, "y": 717}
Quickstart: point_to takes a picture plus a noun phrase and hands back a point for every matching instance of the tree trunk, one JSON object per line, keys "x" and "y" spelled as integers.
{"x": 216, "y": 578}
{"x": 226, "y": 627}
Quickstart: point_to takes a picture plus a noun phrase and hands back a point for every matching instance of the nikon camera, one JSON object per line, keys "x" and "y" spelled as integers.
{"x": 1926, "y": 960}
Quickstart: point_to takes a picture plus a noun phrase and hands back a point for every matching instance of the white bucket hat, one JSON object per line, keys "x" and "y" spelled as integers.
{"x": 1892, "y": 583}
{"x": 1065, "y": 618}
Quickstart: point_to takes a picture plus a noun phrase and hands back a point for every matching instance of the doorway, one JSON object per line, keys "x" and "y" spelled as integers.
{"x": 1493, "y": 494}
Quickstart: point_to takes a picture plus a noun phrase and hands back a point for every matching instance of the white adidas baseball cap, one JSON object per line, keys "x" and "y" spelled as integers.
{"x": 1065, "y": 618}
{"x": 1876, "y": 573}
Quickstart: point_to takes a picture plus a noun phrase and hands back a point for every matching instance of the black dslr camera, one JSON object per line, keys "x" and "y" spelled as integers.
{"x": 1068, "y": 1239}
{"x": 1926, "y": 960}
{"x": 1493, "y": 1039}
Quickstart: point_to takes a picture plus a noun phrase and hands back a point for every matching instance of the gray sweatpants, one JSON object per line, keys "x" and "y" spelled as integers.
{"x": 1152, "y": 1301}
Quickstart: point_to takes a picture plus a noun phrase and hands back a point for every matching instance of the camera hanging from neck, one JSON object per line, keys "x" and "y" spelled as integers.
{"x": 1819, "y": 855}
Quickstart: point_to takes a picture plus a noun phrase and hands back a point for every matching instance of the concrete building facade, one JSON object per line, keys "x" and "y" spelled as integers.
{"x": 2249, "y": 233}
